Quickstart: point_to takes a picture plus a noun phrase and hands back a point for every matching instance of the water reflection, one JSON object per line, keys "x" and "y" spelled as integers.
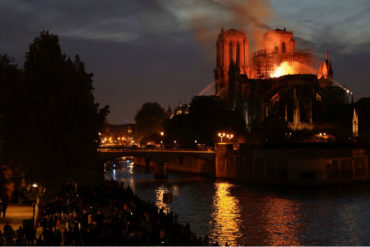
{"x": 159, "y": 192}
{"x": 250, "y": 215}
{"x": 225, "y": 215}
{"x": 175, "y": 190}
{"x": 114, "y": 174}
{"x": 131, "y": 181}
{"x": 282, "y": 221}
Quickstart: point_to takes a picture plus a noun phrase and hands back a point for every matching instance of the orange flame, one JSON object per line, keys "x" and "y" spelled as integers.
{"x": 285, "y": 68}
{"x": 291, "y": 68}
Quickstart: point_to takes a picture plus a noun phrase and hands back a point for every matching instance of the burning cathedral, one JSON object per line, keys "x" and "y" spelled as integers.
{"x": 276, "y": 81}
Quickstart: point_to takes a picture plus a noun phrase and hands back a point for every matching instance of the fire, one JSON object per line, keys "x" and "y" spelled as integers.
{"x": 285, "y": 68}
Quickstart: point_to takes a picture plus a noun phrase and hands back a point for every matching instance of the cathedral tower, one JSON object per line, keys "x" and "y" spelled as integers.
{"x": 232, "y": 50}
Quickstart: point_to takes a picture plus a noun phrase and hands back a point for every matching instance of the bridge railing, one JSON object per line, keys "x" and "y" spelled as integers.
{"x": 128, "y": 149}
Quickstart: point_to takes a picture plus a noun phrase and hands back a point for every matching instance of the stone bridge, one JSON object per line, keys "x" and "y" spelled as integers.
{"x": 161, "y": 160}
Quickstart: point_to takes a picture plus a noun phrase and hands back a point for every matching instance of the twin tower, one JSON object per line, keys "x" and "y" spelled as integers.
{"x": 233, "y": 50}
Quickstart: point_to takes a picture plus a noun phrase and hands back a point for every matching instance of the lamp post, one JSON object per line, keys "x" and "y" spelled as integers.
{"x": 221, "y": 135}
{"x": 162, "y": 135}
{"x": 229, "y": 136}
{"x": 34, "y": 189}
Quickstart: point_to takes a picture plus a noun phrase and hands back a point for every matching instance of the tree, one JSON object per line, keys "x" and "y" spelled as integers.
{"x": 208, "y": 115}
{"x": 149, "y": 120}
{"x": 10, "y": 95}
{"x": 58, "y": 120}
{"x": 51, "y": 120}
{"x": 362, "y": 108}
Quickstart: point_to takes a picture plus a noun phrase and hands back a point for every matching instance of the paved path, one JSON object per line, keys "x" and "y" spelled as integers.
{"x": 15, "y": 215}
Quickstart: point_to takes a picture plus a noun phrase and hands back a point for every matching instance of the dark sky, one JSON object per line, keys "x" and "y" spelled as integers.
{"x": 164, "y": 51}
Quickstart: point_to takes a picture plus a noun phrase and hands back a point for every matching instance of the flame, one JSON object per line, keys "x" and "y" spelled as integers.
{"x": 285, "y": 68}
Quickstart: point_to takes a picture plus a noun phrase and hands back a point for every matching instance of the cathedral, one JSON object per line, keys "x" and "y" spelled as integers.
{"x": 276, "y": 81}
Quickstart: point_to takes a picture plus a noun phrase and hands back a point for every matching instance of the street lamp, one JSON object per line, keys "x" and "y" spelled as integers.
{"x": 229, "y": 136}
{"x": 162, "y": 134}
{"x": 34, "y": 186}
{"x": 221, "y": 135}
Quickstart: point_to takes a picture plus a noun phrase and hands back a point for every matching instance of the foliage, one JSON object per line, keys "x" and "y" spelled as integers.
{"x": 10, "y": 93}
{"x": 208, "y": 115}
{"x": 149, "y": 120}
{"x": 363, "y": 111}
{"x": 275, "y": 129}
{"x": 52, "y": 121}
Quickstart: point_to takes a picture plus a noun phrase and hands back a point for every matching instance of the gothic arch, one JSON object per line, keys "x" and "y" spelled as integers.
{"x": 283, "y": 47}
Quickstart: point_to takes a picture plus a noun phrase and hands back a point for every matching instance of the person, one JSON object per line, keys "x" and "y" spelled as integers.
{"x": 8, "y": 232}
{"x": 4, "y": 206}
{"x": 1, "y": 205}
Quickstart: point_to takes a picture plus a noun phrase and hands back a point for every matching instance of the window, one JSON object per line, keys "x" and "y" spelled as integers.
{"x": 283, "y": 47}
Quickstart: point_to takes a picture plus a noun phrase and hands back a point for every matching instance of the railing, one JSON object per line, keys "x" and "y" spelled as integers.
{"x": 156, "y": 150}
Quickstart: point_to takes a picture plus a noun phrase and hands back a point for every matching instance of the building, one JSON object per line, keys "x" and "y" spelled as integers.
{"x": 122, "y": 134}
{"x": 182, "y": 109}
{"x": 232, "y": 49}
{"x": 279, "y": 82}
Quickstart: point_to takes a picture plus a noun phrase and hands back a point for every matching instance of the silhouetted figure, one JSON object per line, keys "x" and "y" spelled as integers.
{"x": 8, "y": 232}
{"x": 1, "y": 205}
{"x": 4, "y": 207}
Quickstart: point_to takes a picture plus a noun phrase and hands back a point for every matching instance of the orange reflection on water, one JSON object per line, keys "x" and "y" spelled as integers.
{"x": 159, "y": 192}
{"x": 225, "y": 216}
{"x": 282, "y": 221}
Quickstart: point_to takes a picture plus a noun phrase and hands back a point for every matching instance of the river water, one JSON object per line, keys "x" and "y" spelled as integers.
{"x": 243, "y": 214}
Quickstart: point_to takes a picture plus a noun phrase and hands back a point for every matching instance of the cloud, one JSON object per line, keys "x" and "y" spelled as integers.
{"x": 99, "y": 35}
{"x": 146, "y": 49}
{"x": 326, "y": 22}
{"x": 205, "y": 18}
{"x": 116, "y": 21}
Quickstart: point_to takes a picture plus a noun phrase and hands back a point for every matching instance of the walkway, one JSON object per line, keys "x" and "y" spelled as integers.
{"x": 15, "y": 215}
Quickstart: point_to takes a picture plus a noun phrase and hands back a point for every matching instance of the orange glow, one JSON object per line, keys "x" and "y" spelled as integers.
{"x": 226, "y": 215}
{"x": 159, "y": 192}
{"x": 285, "y": 68}
{"x": 283, "y": 218}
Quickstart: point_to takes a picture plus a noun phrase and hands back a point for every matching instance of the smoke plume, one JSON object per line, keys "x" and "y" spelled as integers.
{"x": 251, "y": 16}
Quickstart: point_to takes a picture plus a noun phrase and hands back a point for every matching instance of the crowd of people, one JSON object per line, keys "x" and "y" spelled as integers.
{"x": 108, "y": 214}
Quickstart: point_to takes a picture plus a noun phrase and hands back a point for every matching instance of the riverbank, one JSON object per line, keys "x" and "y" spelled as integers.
{"x": 107, "y": 214}
{"x": 297, "y": 164}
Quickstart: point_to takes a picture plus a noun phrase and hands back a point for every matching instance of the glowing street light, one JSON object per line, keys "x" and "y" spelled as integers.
{"x": 229, "y": 136}
{"x": 221, "y": 135}
{"x": 34, "y": 186}
{"x": 162, "y": 133}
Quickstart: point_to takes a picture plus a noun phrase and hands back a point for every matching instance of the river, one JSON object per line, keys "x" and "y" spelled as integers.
{"x": 243, "y": 214}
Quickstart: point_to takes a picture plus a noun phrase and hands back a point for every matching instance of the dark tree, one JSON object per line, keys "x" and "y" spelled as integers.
{"x": 208, "y": 115}
{"x": 179, "y": 128}
{"x": 59, "y": 121}
{"x": 149, "y": 121}
{"x": 363, "y": 111}
{"x": 11, "y": 94}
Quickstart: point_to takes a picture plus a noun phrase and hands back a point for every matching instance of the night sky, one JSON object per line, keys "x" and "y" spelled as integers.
{"x": 164, "y": 51}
